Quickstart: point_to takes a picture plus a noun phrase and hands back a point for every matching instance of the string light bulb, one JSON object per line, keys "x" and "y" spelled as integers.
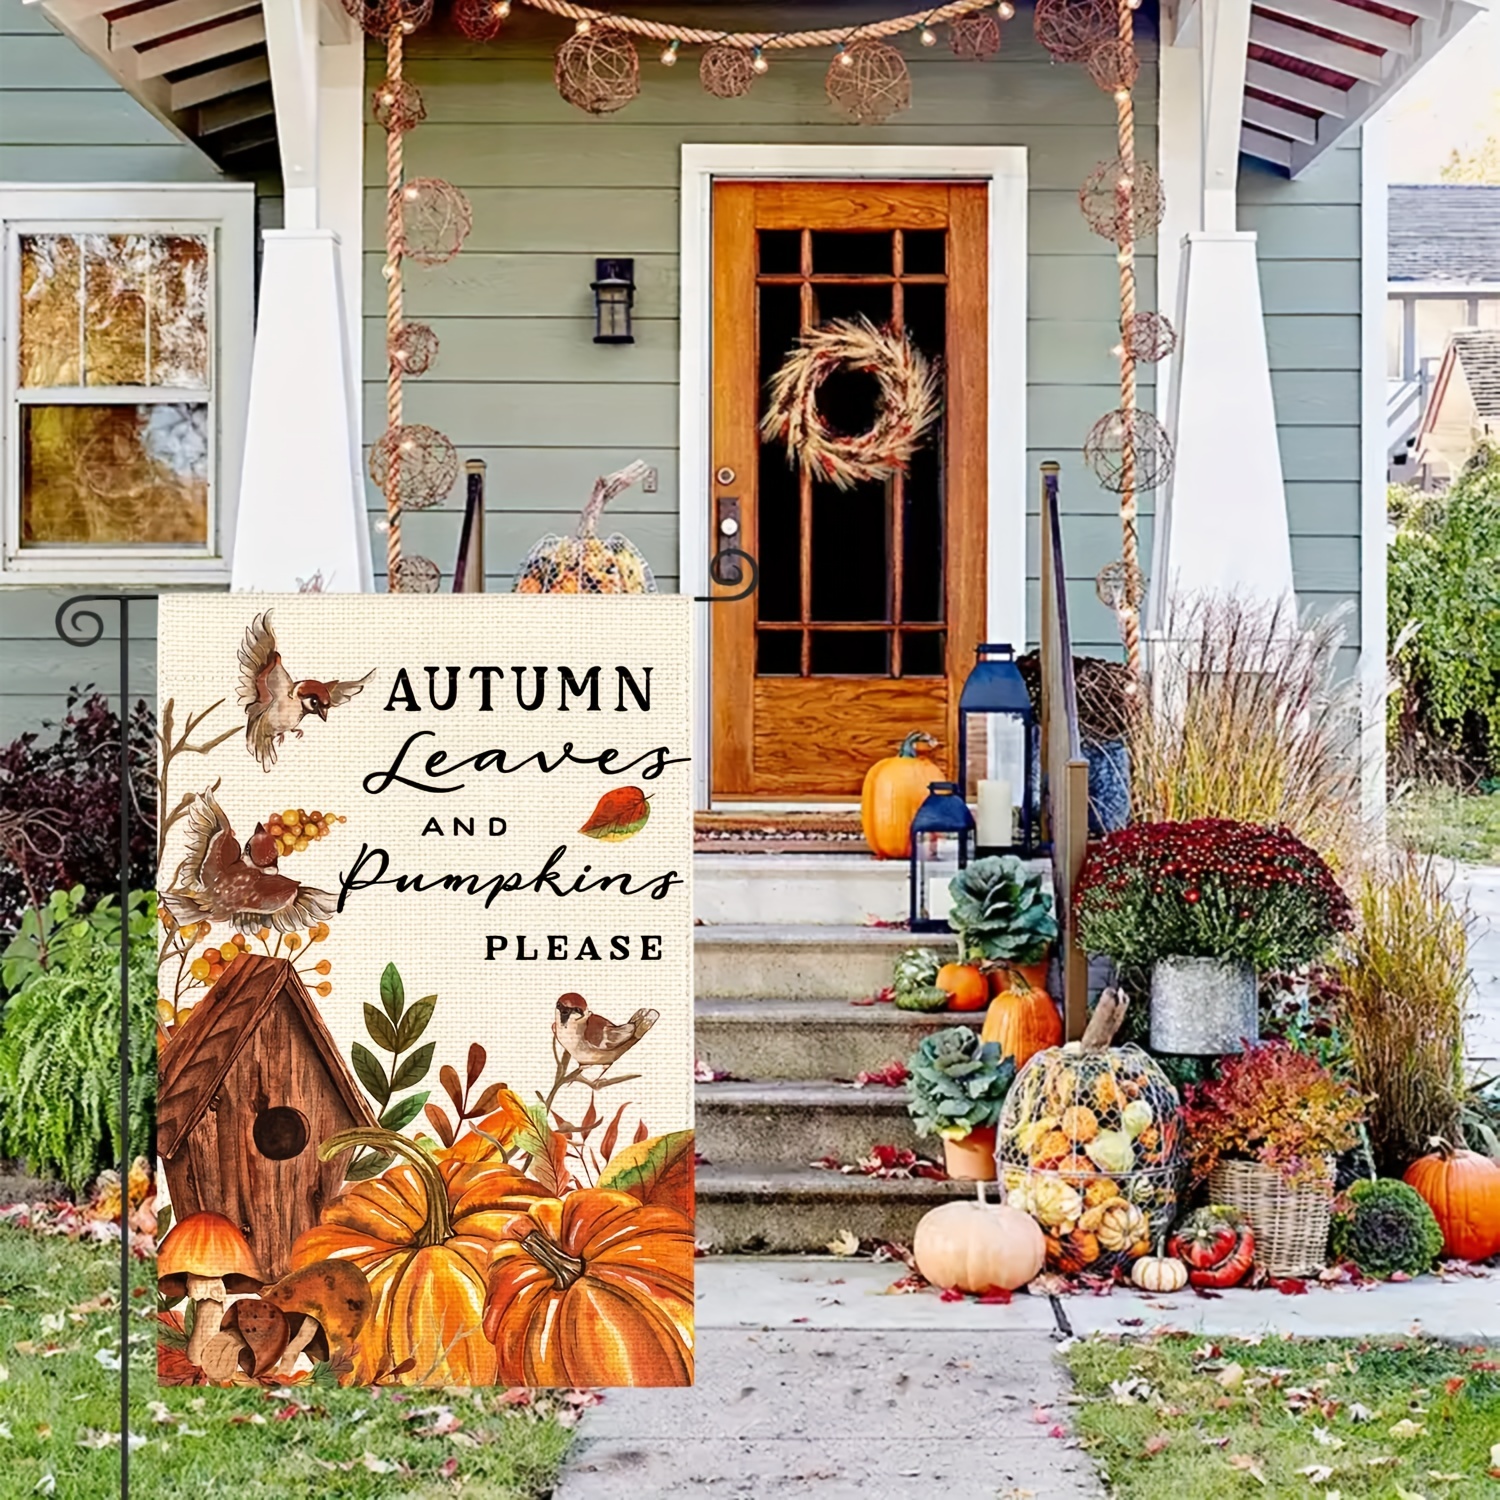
{"x": 759, "y": 62}
{"x": 503, "y": 9}
{"x": 669, "y": 56}
{"x": 929, "y": 37}
{"x": 584, "y": 26}
{"x": 845, "y": 61}
{"x": 1007, "y": 10}
{"x": 1118, "y": 351}
{"x": 1121, "y": 95}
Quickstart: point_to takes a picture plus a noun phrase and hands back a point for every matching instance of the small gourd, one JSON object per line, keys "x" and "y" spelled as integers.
{"x": 1111, "y": 1151}
{"x": 1159, "y": 1273}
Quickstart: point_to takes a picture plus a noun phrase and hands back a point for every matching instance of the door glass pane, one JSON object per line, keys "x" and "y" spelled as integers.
{"x": 859, "y": 252}
{"x": 94, "y": 475}
{"x": 924, "y": 252}
{"x": 778, "y": 541}
{"x": 778, "y": 653}
{"x": 851, "y": 574}
{"x": 780, "y": 252}
{"x": 922, "y": 653}
{"x": 851, "y": 653}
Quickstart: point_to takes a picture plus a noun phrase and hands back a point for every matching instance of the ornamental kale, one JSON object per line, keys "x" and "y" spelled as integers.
{"x": 1212, "y": 888}
{"x": 957, "y": 1083}
{"x": 1000, "y": 912}
{"x": 1384, "y": 1226}
{"x": 914, "y": 982}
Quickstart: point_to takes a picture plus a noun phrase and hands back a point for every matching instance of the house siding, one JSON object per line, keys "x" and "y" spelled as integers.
{"x": 518, "y": 380}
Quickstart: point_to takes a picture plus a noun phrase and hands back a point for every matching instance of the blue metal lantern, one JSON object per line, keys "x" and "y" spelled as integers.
{"x": 940, "y": 834}
{"x": 995, "y": 709}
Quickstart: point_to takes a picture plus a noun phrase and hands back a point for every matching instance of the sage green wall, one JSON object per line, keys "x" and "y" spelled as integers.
{"x": 518, "y": 380}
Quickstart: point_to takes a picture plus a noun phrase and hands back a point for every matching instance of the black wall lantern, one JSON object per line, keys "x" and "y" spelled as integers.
{"x": 614, "y": 296}
{"x": 940, "y": 834}
{"x": 1004, "y": 791}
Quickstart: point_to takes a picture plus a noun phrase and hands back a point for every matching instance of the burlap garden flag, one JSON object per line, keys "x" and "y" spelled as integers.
{"x": 425, "y": 1090}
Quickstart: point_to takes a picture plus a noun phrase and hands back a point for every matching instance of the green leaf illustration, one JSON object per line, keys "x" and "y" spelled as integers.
{"x": 414, "y": 1069}
{"x": 370, "y": 1073}
{"x": 365, "y": 1167}
{"x": 404, "y": 1111}
{"x": 414, "y": 1022}
{"x": 656, "y": 1170}
{"x": 392, "y": 992}
{"x": 378, "y": 1024}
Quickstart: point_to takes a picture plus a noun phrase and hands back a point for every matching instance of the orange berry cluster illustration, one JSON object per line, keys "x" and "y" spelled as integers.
{"x": 294, "y": 828}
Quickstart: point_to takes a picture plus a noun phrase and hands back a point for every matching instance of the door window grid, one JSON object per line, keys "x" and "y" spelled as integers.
{"x": 807, "y": 279}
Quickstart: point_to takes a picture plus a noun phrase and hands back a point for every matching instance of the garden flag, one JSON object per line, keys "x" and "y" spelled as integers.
{"x": 425, "y": 992}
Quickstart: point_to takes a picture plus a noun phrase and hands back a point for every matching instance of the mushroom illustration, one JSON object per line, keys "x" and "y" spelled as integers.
{"x": 332, "y": 1298}
{"x": 261, "y": 1327}
{"x": 205, "y": 1257}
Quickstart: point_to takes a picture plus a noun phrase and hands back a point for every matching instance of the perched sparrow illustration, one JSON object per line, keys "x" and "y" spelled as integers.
{"x": 275, "y": 702}
{"x": 218, "y": 881}
{"x": 588, "y": 1038}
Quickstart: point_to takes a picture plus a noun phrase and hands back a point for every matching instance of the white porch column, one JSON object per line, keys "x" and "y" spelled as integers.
{"x": 1221, "y": 523}
{"x": 302, "y": 499}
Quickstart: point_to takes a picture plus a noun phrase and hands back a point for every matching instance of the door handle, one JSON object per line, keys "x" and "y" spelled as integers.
{"x": 727, "y": 530}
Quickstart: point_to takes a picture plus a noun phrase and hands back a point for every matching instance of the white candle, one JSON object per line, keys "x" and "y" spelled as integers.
{"x": 939, "y": 897}
{"x": 995, "y": 822}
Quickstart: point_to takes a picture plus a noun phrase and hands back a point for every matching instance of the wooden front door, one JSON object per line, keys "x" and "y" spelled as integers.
{"x": 871, "y": 600}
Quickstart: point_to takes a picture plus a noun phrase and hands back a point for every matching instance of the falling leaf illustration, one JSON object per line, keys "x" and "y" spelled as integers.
{"x": 620, "y": 814}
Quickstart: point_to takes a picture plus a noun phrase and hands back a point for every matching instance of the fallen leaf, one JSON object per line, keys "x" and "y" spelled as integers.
{"x": 845, "y": 1242}
{"x": 1359, "y": 1412}
{"x": 1247, "y": 1465}
{"x": 1406, "y": 1428}
{"x": 1156, "y": 1443}
{"x": 996, "y": 1296}
{"x": 378, "y": 1465}
{"x": 1317, "y": 1473}
{"x": 1445, "y": 1478}
{"x": 619, "y": 814}
{"x": 46, "y": 1485}
{"x": 1402, "y": 1493}
{"x": 448, "y": 1468}
{"x": 1324, "y": 1438}
{"x": 1231, "y": 1376}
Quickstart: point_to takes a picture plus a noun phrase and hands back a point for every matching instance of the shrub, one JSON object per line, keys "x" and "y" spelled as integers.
{"x": 1208, "y": 889}
{"x": 61, "y": 807}
{"x": 60, "y": 1050}
{"x": 1273, "y": 1105}
{"x": 1244, "y": 716}
{"x": 957, "y": 1083}
{"x": 1383, "y": 1226}
{"x": 1405, "y": 978}
{"x": 1443, "y": 591}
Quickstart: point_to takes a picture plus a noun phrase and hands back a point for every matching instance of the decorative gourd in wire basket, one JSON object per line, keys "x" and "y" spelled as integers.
{"x": 586, "y": 563}
{"x": 1089, "y": 1144}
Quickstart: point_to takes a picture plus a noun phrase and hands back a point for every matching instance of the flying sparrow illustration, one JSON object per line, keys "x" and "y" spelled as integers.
{"x": 218, "y": 881}
{"x": 275, "y": 702}
{"x": 588, "y": 1038}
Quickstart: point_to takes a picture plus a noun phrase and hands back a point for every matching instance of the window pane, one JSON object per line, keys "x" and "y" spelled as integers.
{"x": 179, "y": 312}
{"x": 1436, "y": 319}
{"x": 1395, "y": 317}
{"x": 1489, "y": 312}
{"x": 116, "y": 273}
{"x": 50, "y": 330}
{"x": 96, "y": 475}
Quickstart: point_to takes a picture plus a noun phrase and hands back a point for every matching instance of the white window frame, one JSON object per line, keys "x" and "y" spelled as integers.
{"x": 225, "y": 212}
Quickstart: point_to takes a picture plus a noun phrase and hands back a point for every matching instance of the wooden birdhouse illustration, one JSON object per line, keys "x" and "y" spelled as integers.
{"x": 248, "y": 1087}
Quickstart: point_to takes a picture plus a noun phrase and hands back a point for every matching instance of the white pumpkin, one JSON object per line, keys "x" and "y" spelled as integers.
{"x": 977, "y": 1247}
{"x": 1159, "y": 1273}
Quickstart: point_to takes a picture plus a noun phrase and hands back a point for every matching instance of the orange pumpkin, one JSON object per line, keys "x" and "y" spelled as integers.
{"x": 1023, "y": 1022}
{"x": 1079, "y": 1123}
{"x": 967, "y": 988}
{"x": 1020, "y": 977}
{"x": 423, "y": 1233}
{"x": 593, "y": 1289}
{"x": 894, "y": 788}
{"x": 1462, "y": 1188}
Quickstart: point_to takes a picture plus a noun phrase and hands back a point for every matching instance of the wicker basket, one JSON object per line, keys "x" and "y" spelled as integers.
{"x": 1291, "y": 1223}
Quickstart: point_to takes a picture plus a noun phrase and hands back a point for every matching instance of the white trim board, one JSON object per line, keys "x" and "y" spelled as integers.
{"x": 1003, "y": 168}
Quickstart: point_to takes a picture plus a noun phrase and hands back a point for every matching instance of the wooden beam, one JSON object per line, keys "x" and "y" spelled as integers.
{"x": 1226, "y": 29}
{"x": 201, "y": 46}
{"x": 67, "y": 13}
{"x": 1280, "y": 121}
{"x": 293, "y": 46}
{"x": 1350, "y": 21}
{"x": 167, "y": 20}
{"x": 233, "y": 111}
{"x": 202, "y": 87}
{"x": 1271, "y": 148}
{"x": 1296, "y": 89}
{"x": 1304, "y": 45}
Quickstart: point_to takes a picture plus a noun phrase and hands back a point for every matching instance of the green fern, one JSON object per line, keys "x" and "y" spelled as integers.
{"x": 59, "y": 1060}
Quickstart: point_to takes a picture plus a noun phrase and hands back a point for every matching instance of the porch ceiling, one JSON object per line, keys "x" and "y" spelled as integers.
{"x": 199, "y": 66}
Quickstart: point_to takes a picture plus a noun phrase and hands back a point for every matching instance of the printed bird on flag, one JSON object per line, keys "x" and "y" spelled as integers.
{"x": 588, "y": 1038}
{"x": 275, "y": 702}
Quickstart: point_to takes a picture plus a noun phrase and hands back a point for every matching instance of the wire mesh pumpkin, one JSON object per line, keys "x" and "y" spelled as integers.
{"x": 1089, "y": 1144}
{"x": 586, "y": 563}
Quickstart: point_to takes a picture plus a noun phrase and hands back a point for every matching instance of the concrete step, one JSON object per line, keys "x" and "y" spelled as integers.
{"x": 801, "y": 960}
{"x": 793, "y": 1122}
{"x": 767, "y": 1208}
{"x": 811, "y": 1039}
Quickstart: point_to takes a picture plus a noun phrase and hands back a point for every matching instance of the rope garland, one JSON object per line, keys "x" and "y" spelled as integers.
{"x": 1130, "y": 605}
{"x": 394, "y": 59}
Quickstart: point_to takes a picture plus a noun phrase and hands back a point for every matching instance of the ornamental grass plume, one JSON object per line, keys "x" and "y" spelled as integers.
{"x": 1405, "y": 977}
{"x": 1243, "y": 716}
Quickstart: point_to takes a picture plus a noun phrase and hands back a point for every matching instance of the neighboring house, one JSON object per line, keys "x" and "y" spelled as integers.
{"x": 1463, "y": 409}
{"x": 1271, "y": 260}
{"x": 1444, "y": 268}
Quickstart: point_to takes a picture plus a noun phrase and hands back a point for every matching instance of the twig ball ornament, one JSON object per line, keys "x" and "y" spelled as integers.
{"x": 1119, "y": 586}
{"x": 1123, "y": 201}
{"x": 976, "y": 36}
{"x": 1148, "y": 337}
{"x": 869, "y": 81}
{"x": 381, "y": 17}
{"x": 435, "y": 220}
{"x": 413, "y": 348}
{"x": 1128, "y": 450}
{"x": 415, "y": 575}
{"x": 1115, "y": 65}
{"x": 418, "y": 463}
{"x": 598, "y": 70}
{"x": 480, "y": 20}
{"x": 397, "y": 105}
{"x": 1071, "y": 29}
{"x": 726, "y": 71}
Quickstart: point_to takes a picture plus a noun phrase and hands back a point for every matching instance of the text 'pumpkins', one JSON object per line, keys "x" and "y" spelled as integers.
{"x": 894, "y": 788}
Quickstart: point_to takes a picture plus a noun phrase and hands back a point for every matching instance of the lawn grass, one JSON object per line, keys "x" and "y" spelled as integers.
{"x": 1243, "y": 1417}
{"x": 1441, "y": 820}
{"x": 249, "y": 1443}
